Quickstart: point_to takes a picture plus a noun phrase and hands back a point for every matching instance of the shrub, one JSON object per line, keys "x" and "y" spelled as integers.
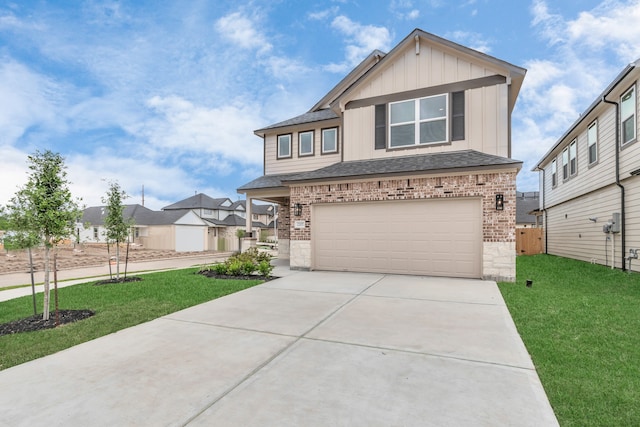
{"x": 234, "y": 268}
{"x": 248, "y": 267}
{"x": 265, "y": 268}
{"x": 220, "y": 268}
{"x": 245, "y": 263}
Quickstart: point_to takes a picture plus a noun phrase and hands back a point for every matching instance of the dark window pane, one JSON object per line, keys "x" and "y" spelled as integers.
{"x": 403, "y": 135}
{"x": 433, "y": 131}
{"x": 402, "y": 112}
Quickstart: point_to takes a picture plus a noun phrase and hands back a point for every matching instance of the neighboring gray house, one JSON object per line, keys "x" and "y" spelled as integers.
{"x": 182, "y": 231}
{"x": 197, "y": 223}
{"x": 527, "y": 209}
{"x": 403, "y": 167}
{"x": 590, "y": 189}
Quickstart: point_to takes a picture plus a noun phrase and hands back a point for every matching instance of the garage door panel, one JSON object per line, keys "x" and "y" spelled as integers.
{"x": 431, "y": 237}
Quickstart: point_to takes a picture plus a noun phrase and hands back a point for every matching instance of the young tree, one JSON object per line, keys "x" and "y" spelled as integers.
{"x": 17, "y": 218}
{"x": 53, "y": 211}
{"x": 117, "y": 227}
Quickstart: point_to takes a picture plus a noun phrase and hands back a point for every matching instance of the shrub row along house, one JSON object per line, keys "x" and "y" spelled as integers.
{"x": 590, "y": 190}
{"x": 403, "y": 167}
{"x": 198, "y": 223}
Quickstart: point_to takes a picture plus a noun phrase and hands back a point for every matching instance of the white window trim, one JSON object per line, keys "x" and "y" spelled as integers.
{"x": 573, "y": 155}
{"x": 634, "y": 115}
{"x": 592, "y": 143}
{"x": 335, "y": 150}
{"x": 313, "y": 143}
{"x": 288, "y": 156}
{"x": 417, "y": 121}
{"x": 554, "y": 173}
{"x": 565, "y": 164}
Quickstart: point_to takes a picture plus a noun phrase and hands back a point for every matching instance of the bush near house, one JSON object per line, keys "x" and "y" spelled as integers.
{"x": 244, "y": 264}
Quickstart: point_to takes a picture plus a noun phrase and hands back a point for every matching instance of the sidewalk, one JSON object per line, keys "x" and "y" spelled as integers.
{"x": 85, "y": 274}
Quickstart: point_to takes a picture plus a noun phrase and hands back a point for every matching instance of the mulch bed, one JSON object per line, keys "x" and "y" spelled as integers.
{"x": 35, "y": 323}
{"x": 213, "y": 275}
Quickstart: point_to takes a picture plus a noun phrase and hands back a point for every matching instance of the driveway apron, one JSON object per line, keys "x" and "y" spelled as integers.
{"x": 308, "y": 349}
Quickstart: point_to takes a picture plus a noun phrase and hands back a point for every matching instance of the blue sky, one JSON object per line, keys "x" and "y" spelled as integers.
{"x": 166, "y": 94}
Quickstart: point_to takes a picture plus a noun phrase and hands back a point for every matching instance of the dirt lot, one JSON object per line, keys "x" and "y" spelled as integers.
{"x": 87, "y": 255}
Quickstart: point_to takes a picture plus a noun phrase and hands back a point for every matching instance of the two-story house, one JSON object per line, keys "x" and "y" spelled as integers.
{"x": 403, "y": 167}
{"x": 197, "y": 223}
{"x": 590, "y": 192}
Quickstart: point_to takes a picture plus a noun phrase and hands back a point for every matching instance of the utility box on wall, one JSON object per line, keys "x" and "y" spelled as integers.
{"x": 615, "y": 223}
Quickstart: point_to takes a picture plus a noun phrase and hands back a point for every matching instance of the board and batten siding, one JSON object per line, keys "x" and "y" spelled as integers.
{"x": 571, "y": 234}
{"x": 486, "y": 128}
{"x": 273, "y": 165}
{"x": 409, "y": 71}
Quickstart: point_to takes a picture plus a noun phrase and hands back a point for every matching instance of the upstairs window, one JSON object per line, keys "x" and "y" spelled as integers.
{"x": 305, "y": 140}
{"x": 419, "y": 121}
{"x": 329, "y": 140}
{"x": 592, "y": 142}
{"x": 628, "y": 115}
{"x": 554, "y": 173}
{"x": 565, "y": 163}
{"x": 284, "y": 146}
{"x": 573, "y": 161}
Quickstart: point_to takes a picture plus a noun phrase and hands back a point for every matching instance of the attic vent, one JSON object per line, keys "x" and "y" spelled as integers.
{"x": 417, "y": 39}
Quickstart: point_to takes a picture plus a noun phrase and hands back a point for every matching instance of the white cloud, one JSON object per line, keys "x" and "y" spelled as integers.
{"x": 587, "y": 52}
{"x": 28, "y": 99}
{"x": 243, "y": 32}
{"x": 472, "y": 40}
{"x": 323, "y": 14}
{"x": 224, "y": 132}
{"x": 360, "y": 41}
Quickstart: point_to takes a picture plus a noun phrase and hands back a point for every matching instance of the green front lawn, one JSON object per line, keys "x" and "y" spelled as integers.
{"x": 117, "y": 306}
{"x": 581, "y": 324}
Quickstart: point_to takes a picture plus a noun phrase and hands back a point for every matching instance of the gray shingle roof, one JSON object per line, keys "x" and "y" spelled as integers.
{"x": 431, "y": 163}
{"x": 199, "y": 201}
{"x": 95, "y": 215}
{"x": 266, "y": 181}
{"x": 312, "y": 116}
{"x": 466, "y": 159}
{"x": 525, "y": 203}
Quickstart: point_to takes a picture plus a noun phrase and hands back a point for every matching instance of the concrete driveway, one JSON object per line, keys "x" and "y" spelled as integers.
{"x": 308, "y": 349}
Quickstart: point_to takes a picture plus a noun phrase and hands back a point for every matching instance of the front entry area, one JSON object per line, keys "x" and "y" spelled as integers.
{"x": 432, "y": 237}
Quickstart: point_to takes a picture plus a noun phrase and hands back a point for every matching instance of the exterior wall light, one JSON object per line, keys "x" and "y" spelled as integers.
{"x": 499, "y": 202}
{"x": 297, "y": 209}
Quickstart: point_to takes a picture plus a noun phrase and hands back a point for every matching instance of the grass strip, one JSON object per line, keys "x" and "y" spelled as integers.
{"x": 581, "y": 324}
{"x": 117, "y": 306}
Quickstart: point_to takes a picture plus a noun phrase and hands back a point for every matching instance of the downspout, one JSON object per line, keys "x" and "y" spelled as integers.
{"x": 544, "y": 209}
{"x": 620, "y": 186}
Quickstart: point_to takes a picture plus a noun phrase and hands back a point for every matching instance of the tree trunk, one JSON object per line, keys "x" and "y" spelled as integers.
{"x": 55, "y": 287}
{"x": 117, "y": 260}
{"x": 47, "y": 267}
{"x": 33, "y": 283}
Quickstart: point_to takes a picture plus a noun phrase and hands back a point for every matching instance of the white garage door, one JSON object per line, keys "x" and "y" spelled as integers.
{"x": 437, "y": 237}
{"x": 189, "y": 239}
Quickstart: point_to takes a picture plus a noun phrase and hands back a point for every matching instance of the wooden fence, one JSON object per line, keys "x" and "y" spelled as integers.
{"x": 529, "y": 241}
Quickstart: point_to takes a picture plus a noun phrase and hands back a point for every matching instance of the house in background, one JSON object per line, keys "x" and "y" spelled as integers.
{"x": 403, "y": 167}
{"x": 527, "y": 209}
{"x": 197, "y": 223}
{"x": 589, "y": 180}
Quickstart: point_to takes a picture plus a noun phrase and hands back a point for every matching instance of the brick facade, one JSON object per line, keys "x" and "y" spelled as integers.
{"x": 498, "y": 226}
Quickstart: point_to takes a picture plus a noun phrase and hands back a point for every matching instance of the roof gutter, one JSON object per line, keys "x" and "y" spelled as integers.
{"x": 588, "y": 111}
